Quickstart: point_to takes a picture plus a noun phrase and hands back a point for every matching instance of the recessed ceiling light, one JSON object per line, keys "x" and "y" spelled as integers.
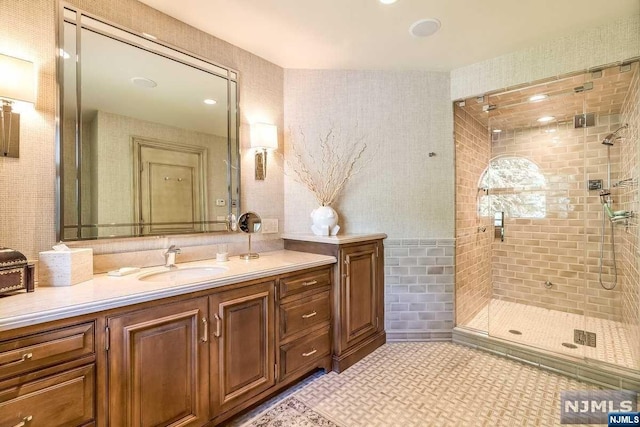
{"x": 496, "y": 130}
{"x": 209, "y": 101}
{"x": 143, "y": 82}
{"x": 150, "y": 36}
{"x": 424, "y": 27}
{"x": 388, "y": 1}
{"x": 538, "y": 98}
{"x": 546, "y": 119}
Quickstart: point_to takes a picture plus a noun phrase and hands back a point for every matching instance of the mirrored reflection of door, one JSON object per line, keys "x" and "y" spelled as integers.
{"x": 170, "y": 195}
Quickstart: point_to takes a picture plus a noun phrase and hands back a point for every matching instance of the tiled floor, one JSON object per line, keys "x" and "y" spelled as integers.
{"x": 435, "y": 384}
{"x": 548, "y": 329}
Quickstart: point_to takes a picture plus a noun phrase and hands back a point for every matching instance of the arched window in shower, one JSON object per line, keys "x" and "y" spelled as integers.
{"x": 515, "y": 186}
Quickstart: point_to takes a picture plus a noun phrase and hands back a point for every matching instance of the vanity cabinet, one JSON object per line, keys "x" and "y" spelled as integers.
{"x": 242, "y": 347}
{"x": 47, "y": 378}
{"x": 358, "y": 300}
{"x": 157, "y": 364}
{"x": 304, "y": 319}
{"x": 185, "y": 360}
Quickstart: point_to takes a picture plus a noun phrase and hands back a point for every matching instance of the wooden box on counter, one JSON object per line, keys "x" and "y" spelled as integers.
{"x": 15, "y": 272}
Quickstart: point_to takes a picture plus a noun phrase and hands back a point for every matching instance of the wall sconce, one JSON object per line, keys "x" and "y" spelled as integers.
{"x": 16, "y": 87}
{"x": 263, "y": 137}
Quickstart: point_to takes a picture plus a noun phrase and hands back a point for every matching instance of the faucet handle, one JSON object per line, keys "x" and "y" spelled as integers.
{"x": 173, "y": 250}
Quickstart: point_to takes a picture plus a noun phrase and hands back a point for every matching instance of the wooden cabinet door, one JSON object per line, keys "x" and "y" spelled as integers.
{"x": 242, "y": 360}
{"x": 359, "y": 294}
{"x": 157, "y": 361}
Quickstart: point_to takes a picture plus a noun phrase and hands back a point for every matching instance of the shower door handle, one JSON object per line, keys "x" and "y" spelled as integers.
{"x": 498, "y": 225}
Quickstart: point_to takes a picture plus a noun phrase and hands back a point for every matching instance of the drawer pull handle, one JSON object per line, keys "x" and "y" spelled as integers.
{"x": 24, "y": 421}
{"x": 205, "y": 334}
{"x": 218, "y": 326}
{"x": 306, "y": 316}
{"x": 311, "y": 283}
{"x": 24, "y": 358}
{"x": 314, "y": 351}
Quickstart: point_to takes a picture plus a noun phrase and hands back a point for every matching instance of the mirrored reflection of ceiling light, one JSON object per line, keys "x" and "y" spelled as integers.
{"x": 496, "y": 130}
{"x": 64, "y": 54}
{"x": 424, "y": 27}
{"x": 210, "y": 101}
{"x": 538, "y": 98}
{"x": 546, "y": 119}
{"x": 150, "y": 36}
{"x": 143, "y": 82}
{"x": 388, "y": 1}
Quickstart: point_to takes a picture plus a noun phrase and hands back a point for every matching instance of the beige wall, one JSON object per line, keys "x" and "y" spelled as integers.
{"x": 473, "y": 233}
{"x": 403, "y": 116}
{"x": 615, "y": 41}
{"x": 27, "y": 30}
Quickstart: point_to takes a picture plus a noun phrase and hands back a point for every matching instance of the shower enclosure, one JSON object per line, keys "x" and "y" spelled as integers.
{"x": 547, "y": 203}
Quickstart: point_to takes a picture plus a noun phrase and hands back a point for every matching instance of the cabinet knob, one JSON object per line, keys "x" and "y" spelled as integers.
{"x": 218, "y": 326}
{"x": 314, "y": 351}
{"x": 24, "y": 421}
{"x": 205, "y": 333}
{"x": 23, "y": 358}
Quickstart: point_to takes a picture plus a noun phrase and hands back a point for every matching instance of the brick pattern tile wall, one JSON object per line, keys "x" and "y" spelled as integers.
{"x": 628, "y": 240}
{"x": 563, "y": 247}
{"x": 419, "y": 281}
{"x": 473, "y": 246}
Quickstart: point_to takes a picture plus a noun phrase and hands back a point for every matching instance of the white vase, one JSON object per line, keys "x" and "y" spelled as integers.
{"x": 325, "y": 221}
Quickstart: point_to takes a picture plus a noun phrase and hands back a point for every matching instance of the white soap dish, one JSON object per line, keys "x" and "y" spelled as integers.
{"x": 123, "y": 271}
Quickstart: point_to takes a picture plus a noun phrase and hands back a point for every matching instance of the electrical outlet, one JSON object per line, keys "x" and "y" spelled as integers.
{"x": 221, "y": 202}
{"x": 269, "y": 225}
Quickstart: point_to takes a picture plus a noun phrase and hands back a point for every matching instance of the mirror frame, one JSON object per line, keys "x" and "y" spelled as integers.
{"x": 137, "y": 39}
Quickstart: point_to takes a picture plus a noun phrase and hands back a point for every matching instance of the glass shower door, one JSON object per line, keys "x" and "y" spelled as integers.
{"x": 536, "y": 199}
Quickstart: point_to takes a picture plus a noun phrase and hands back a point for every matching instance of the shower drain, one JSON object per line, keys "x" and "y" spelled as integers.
{"x": 569, "y": 345}
{"x": 515, "y": 332}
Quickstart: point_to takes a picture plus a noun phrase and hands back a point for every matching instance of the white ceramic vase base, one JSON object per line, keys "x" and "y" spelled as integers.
{"x": 325, "y": 221}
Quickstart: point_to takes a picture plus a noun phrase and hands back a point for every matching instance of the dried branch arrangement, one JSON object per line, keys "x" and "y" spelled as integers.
{"x": 326, "y": 170}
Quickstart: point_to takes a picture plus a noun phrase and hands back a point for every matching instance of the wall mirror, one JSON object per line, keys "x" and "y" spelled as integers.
{"x": 148, "y": 135}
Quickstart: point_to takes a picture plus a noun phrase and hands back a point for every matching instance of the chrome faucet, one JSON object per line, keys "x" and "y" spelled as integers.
{"x": 170, "y": 256}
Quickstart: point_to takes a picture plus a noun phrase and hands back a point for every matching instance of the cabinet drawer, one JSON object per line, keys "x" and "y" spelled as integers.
{"x": 36, "y": 351}
{"x": 304, "y": 282}
{"x": 65, "y": 399}
{"x": 304, "y": 313}
{"x": 304, "y": 352}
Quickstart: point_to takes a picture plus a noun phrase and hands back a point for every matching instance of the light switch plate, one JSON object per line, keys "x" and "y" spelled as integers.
{"x": 269, "y": 225}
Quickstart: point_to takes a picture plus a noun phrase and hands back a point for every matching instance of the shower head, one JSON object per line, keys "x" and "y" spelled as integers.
{"x": 610, "y": 139}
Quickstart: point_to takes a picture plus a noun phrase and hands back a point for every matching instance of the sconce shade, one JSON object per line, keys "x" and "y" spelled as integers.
{"x": 264, "y": 135}
{"x": 16, "y": 79}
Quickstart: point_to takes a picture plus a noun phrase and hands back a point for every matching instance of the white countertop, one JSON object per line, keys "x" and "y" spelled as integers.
{"x": 104, "y": 292}
{"x": 335, "y": 240}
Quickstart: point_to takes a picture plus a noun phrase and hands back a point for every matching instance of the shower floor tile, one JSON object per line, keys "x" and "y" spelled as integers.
{"x": 432, "y": 384}
{"x": 549, "y": 329}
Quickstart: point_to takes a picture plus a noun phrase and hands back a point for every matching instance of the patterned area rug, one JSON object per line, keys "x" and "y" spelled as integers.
{"x": 290, "y": 413}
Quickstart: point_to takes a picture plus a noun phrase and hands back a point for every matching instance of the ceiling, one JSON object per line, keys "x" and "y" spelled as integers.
{"x": 365, "y": 34}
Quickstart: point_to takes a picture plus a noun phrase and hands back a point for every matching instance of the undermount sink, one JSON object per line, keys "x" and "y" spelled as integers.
{"x": 183, "y": 274}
